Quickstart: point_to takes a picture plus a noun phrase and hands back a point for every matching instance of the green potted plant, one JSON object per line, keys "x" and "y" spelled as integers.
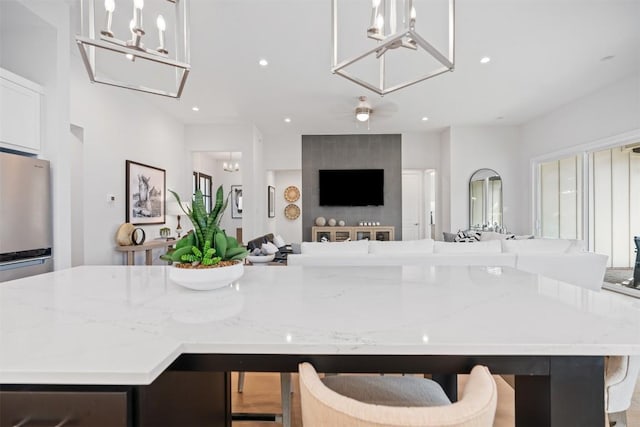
{"x": 205, "y": 258}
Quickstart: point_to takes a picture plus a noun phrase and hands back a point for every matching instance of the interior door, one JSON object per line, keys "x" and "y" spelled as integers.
{"x": 412, "y": 200}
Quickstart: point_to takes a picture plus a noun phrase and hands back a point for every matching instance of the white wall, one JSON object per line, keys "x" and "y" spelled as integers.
{"x": 121, "y": 125}
{"x": 443, "y": 205}
{"x": 290, "y": 230}
{"x": 473, "y": 148}
{"x": 271, "y": 222}
{"x": 611, "y": 111}
{"x": 421, "y": 150}
{"x": 283, "y": 151}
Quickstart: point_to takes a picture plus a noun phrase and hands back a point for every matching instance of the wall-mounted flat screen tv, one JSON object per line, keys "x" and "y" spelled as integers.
{"x": 351, "y": 187}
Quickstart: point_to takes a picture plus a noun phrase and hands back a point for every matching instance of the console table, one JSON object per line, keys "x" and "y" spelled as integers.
{"x": 132, "y": 340}
{"x": 340, "y": 234}
{"x": 147, "y": 247}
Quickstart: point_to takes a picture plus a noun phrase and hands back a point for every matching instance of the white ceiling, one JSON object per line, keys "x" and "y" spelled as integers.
{"x": 545, "y": 53}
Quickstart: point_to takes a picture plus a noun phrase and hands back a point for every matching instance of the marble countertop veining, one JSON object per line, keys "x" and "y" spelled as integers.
{"x": 125, "y": 325}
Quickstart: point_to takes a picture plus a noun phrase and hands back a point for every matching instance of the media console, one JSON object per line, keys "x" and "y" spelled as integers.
{"x": 340, "y": 234}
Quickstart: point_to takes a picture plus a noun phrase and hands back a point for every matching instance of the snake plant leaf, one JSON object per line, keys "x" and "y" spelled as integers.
{"x": 240, "y": 255}
{"x": 217, "y": 210}
{"x": 232, "y": 242}
{"x": 199, "y": 210}
{"x": 197, "y": 252}
{"x": 186, "y": 240}
{"x": 231, "y": 252}
{"x": 221, "y": 244}
{"x": 176, "y": 255}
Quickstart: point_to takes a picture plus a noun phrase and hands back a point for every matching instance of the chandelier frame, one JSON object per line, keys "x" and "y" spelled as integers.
{"x": 390, "y": 42}
{"x": 91, "y": 39}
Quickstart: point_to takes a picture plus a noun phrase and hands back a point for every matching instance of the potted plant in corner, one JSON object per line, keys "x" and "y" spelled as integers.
{"x": 205, "y": 258}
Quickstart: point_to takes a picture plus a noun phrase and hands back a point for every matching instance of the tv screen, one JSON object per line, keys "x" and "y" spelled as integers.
{"x": 352, "y": 187}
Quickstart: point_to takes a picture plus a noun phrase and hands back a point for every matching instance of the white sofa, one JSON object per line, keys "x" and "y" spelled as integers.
{"x": 561, "y": 259}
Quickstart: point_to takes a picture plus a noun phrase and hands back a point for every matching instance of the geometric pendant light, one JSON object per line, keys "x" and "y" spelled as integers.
{"x": 391, "y": 27}
{"x": 113, "y": 36}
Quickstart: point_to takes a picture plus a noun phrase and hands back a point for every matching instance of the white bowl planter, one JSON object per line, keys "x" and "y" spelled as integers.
{"x": 260, "y": 259}
{"x": 206, "y": 279}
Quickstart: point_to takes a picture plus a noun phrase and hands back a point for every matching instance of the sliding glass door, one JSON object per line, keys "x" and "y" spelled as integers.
{"x": 561, "y": 192}
{"x": 614, "y": 204}
{"x": 611, "y": 188}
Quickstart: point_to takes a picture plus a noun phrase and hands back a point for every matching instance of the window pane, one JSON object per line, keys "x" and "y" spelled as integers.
{"x": 561, "y": 198}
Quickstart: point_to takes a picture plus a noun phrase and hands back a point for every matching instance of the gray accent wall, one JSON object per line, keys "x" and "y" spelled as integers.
{"x": 352, "y": 152}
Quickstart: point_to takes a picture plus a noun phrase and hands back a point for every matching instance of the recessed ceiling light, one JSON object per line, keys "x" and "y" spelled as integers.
{"x": 485, "y": 60}
{"x": 287, "y": 120}
{"x": 263, "y": 62}
{"x": 195, "y": 108}
{"x": 425, "y": 118}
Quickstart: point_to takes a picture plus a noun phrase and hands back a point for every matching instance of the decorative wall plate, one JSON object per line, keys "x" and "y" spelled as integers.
{"x": 291, "y": 193}
{"x": 292, "y": 211}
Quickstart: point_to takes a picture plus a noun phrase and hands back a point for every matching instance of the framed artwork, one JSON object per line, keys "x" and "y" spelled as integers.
{"x": 145, "y": 190}
{"x": 236, "y": 201}
{"x": 271, "y": 201}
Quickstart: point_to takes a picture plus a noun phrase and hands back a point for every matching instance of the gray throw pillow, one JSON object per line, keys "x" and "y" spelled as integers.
{"x": 448, "y": 237}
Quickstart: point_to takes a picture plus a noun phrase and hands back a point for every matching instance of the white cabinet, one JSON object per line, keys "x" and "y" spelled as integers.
{"x": 19, "y": 113}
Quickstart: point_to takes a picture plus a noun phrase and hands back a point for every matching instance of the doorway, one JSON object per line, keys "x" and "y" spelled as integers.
{"x": 212, "y": 169}
{"x": 418, "y": 204}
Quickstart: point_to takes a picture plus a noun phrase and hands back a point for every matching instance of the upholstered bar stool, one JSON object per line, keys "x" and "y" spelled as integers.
{"x": 397, "y": 401}
{"x": 621, "y": 374}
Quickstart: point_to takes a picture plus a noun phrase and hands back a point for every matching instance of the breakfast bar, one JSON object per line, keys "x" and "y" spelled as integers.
{"x": 160, "y": 351}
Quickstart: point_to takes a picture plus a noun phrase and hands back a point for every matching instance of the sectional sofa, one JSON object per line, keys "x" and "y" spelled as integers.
{"x": 560, "y": 259}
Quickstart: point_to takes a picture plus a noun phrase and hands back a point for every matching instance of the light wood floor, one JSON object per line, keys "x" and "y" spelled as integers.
{"x": 262, "y": 394}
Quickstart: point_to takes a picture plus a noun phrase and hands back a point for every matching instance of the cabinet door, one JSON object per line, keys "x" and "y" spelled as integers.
{"x": 19, "y": 116}
{"x": 364, "y": 234}
{"x": 322, "y": 235}
{"x": 342, "y": 235}
{"x": 61, "y": 408}
{"x": 384, "y": 235}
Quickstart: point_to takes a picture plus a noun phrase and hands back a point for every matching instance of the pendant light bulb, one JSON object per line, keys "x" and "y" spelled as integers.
{"x": 160, "y": 22}
{"x": 362, "y": 114}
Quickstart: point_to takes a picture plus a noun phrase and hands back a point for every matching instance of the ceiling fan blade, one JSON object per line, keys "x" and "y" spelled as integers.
{"x": 386, "y": 107}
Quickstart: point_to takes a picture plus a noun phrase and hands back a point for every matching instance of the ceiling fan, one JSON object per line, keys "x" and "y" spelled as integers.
{"x": 364, "y": 110}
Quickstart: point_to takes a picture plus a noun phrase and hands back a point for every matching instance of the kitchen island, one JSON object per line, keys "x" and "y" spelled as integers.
{"x": 162, "y": 352}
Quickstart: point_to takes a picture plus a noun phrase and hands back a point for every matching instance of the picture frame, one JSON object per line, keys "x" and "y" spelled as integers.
{"x": 145, "y": 194}
{"x": 271, "y": 201}
{"x": 236, "y": 201}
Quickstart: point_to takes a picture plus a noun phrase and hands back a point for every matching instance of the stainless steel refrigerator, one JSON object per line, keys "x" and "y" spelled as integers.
{"x": 25, "y": 217}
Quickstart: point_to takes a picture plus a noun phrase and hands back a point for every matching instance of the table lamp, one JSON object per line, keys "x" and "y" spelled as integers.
{"x": 174, "y": 209}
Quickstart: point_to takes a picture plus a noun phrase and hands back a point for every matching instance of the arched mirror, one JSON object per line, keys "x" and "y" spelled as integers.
{"x": 485, "y": 200}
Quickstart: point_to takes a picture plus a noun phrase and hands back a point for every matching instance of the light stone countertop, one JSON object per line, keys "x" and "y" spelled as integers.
{"x": 125, "y": 325}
